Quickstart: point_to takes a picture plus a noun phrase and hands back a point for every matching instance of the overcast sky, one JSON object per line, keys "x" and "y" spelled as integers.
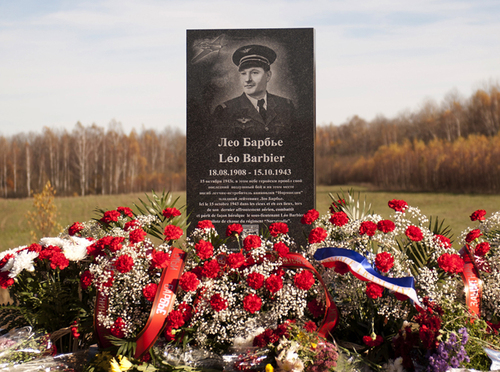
{"x": 94, "y": 61}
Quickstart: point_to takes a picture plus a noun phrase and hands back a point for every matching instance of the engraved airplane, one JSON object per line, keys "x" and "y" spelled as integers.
{"x": 208, "y": 47}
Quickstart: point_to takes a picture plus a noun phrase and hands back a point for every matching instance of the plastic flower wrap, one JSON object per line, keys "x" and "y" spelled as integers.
{"x": 229, "y": 296}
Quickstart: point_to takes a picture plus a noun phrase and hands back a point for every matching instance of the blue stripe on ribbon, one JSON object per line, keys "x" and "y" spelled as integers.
{"x": 323, "y": 254}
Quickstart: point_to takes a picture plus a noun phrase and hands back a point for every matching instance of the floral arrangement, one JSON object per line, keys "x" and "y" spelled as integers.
{"x": 375, "y": 318}
{"x": 242, "y": 296}
{"x": 260, "y": 300}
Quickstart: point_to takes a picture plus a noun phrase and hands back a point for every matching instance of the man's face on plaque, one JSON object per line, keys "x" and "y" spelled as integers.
{"x": 254, "y": 81}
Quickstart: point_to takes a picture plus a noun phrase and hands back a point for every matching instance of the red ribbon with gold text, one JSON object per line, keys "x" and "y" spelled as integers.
{"x": 162, "y": 304}
{"x": 331, "y": 313}
{"x": 101, "y": 308}
{"x": 472, "y": 283}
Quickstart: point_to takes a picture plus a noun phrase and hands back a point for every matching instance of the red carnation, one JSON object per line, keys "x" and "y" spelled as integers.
{"x": 110, "y": 216}
{"x": 317, "y": 235}
{"x": 310, "y": 326}
{"x": 5, "y": 259}
{"x": 384, "y": 261}
{"x": 442, "y": 240}
{"x": 170, "y": 212}
{"x": 340, "y": 267}
{"x": 115, "y": 244}
{"x": 235, "y": 260}
{"x": 205, "y": 224}
{"x": 149, "y": 291}
{"x": 386, "y": 226}
{"x": 304, "y": 280}
{"x": 186, "y": 311}
{"x": 451, "y": 263}
{"x": 211, "y": 269}
{"x": 136, "y": 236}
{"x": 274, "y": 283}
{"x": 373, "y": 290}
{"x": 48, "y": 252}
{"x": 281, "y": 248}
{"x": 252, "y": 303}
{"x": 255, "y": 280}
{"x": 473, "y": 235}
{"x": 172, "y": 232}
{"x": 414, "y": 233}
{"x": 86, "y": 279}
{"x": 204, "y": 249}
{"x": 398, "y": 205}
{"x": 75, "y": 228}
{"x": 478, "y": 215}
{"x": 131, "y": 225}
{"x": 126, "y": 211}
{"x": 189, "y": 281}
{"x": 35, "y": 248}
{"x": 235, "y": 229}
{"x": 217, "y": 302}
{"x": 117, "y": 328}
{"x": 370, "y": 342}
{"x": 316, "y": 308}
{"x": 339, "y": 218}
{"x": 5, "y": 281}
{"x": 278, "y": 228}
{"x": 309, "y": 217}
{"x": 124, "y": 263}
{"x": 251, "y": 241}
{"x": 160, "y": 260}
{"x": 175, "y": 319}
{"x": 482, "y": 249}
{"x": 58, "y": 260}
{"x": 367, "y": 227}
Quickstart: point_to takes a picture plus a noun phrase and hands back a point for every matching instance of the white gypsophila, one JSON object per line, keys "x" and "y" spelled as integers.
{"x": 125, "y": 297}
{"x": 490, "y": 300}
{"x": 23, "y": 261}
{"x": 147, "y": 220}
{"x": 91, "y": 229}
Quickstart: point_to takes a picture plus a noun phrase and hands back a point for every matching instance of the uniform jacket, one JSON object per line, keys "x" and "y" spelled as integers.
{"x": 239, "y": 117}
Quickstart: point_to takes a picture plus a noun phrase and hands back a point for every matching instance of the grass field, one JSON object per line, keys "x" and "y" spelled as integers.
{"x": 454, "y": 208}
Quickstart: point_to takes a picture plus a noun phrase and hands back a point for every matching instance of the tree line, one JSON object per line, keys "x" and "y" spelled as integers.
{"x": 452, "y": 146}
{"x": 92, "y": 160}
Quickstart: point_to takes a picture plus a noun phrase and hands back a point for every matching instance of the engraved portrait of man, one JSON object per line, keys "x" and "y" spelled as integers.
{"x": 256, "y": 112}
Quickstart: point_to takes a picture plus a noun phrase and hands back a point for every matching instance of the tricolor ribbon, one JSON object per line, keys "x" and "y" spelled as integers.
{"x": 294, "y": 260}
{"x": 361, "y": 268}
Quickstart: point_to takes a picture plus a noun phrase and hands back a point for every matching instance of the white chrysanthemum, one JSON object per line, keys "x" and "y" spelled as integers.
{"x": 58, "y": 242}
{"x": 75, "y": 249}
{"x": 23, "y": 261}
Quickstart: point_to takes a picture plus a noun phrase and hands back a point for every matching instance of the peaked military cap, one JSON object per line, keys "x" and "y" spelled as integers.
{"x": 254, "y": 55}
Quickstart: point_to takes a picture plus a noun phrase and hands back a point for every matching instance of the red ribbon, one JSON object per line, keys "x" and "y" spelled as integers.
{"x": 162, "y": 304}
{"x": 294, "y": 260}
{"x": 472, "y": 283}
{"x": 101, "y": 308}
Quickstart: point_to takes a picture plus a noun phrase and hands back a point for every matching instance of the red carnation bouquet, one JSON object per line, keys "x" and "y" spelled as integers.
{"x": 124, "y": 265}
{"x": 404, "y": 245}
{"x": 228, "y": 297}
